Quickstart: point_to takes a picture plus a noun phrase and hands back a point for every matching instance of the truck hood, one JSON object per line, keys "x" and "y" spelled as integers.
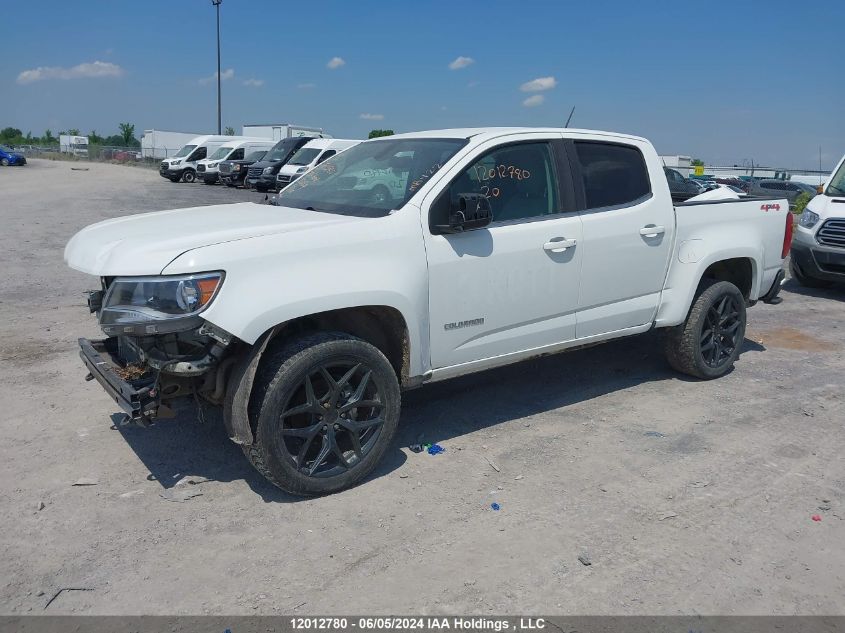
{"x": 145, "y": 244}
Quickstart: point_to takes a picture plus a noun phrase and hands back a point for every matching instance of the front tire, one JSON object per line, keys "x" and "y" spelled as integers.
{"x": 804, "y": 280}
{"x": 189, "y": 176}
{"x": 707, "y": 344}
{"x": 4, "y": 162}
{"x": 310, "y": 439}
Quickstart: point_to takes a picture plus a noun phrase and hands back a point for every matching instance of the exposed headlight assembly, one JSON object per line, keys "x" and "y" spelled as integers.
{"x": 808, "y": 219}
{"x": 268, "y": 170}
{"x": 152, "y": 305}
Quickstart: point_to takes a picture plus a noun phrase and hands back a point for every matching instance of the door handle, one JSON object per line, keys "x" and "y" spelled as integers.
{"x": 558, "y": 245}
{"x": 652, "y": 231}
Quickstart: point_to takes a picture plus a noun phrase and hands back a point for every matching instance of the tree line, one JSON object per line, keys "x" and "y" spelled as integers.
{"x": 125, "y": 137}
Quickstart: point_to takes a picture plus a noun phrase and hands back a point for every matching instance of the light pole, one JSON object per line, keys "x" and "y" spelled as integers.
{"x": 216, "y": 4}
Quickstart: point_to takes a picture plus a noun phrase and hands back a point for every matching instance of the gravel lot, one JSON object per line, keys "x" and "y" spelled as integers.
{"x": 688, "y": 497}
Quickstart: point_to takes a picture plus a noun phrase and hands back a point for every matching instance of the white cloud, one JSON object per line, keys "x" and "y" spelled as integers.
{"x": 539, "y": 84}
{"x": 229, "y": 73}
{"x": 461, "y": 62}
{"x": 307, "y": 86}
{"x": 81, "y": 71}
{"x": 254, "y": 83}
{"x": 372, "y": 117}
{"x": 533, "y": 101}
{"x": 335, "y": 63}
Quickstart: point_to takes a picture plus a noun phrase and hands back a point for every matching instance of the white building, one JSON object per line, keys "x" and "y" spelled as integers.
{"x": 679, "y": 163}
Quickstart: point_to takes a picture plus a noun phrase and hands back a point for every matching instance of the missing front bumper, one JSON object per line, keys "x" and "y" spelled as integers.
{"x": 137, "y": 397}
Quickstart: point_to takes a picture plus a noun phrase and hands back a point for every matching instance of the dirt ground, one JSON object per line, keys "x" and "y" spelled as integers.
{"x": 688, "y": 497}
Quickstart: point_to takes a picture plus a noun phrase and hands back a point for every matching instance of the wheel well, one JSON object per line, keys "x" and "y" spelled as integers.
{"x": 738, "y": 271}
{"x": 381, "y": 326}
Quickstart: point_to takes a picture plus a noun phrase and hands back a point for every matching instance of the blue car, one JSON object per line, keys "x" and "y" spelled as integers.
{"x": 8, "y": 157}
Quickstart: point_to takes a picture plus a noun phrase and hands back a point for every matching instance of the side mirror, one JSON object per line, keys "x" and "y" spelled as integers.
{"x": 470, "y": 211}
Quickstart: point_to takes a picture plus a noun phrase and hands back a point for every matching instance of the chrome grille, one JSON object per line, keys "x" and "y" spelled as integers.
{"x": 832, "y": 233}
{"x": 225, "y": 168}
{"x": 200, "y": 167}
{"x": 283, "y": 178}
{"x": 255, "y": 172}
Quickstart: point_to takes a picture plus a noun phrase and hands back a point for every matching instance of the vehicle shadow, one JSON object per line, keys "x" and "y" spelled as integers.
{"x": 835, "y": 292}
{"x": 174, "y": 448}
{"x": 460, "y": 406}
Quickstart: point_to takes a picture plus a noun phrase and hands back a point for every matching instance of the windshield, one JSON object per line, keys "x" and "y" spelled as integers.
{"x": 256, "y": 156}
{"x": 836, "y": 186}
{"x": 304, "y": 156}
{"x": 372, "y": 178}
{"x": 221, "y": 152}
{"x": 281, "y": 149}
{"x": 185, "y": 151}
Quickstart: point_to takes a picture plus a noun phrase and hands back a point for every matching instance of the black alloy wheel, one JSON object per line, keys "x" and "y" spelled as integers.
{"x": 332, "y": 421}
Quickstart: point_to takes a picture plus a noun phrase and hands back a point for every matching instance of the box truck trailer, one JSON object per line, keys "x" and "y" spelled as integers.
{"x": 278, "y": 131}
{"x": 162, "y": 144}
{"x": 72, "y": 144}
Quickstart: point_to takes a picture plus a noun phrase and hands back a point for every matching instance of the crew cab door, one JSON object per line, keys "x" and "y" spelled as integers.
{"x": 512, "y": 285}
{"x": 628, "y": 228}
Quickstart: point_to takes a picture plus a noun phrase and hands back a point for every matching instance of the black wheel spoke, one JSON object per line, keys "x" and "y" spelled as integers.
{"x": 323, "y": 435}
{"x": 359, "y": 404}
{"x": 356, "y": 445}
{"x": 358, "y": 426}
{"x": 307, "y": 431}
{"x": 348, "y": 375}
{"x": 337, "y": 450}
{"x": 719, "y": 334}
{"x": 303, "y": 451}
{"x": 321, "y": 456}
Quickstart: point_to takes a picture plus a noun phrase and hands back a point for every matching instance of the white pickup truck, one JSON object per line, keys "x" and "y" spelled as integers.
{"x": 305, "y": 321}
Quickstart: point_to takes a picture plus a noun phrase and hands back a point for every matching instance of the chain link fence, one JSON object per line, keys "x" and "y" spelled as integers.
{"x": 142, "y": 157}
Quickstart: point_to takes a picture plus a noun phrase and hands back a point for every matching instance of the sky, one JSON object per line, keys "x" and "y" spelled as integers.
{"x": 727, "y": 82}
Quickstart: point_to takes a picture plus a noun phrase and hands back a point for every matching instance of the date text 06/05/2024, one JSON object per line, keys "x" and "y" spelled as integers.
{"x": 412, "y": 623}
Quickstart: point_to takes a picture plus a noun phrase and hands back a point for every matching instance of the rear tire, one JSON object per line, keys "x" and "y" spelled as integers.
{"x": 189, "y": 176}
{"x": 707, "y": 344}
{"x": 308, "y": 439}
{"x": 807, "y": 282}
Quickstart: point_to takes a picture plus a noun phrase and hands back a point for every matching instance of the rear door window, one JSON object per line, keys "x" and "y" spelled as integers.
{"x": 613, "y": 174}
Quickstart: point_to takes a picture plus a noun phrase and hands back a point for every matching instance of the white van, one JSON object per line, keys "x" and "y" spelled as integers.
{"x": 309, "y": 155}
{"x": 183, "y": 166}
{"x": 209, "y": 168}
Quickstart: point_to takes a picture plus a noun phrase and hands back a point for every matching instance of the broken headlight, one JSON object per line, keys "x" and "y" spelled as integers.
{"x": 145, "y": 301}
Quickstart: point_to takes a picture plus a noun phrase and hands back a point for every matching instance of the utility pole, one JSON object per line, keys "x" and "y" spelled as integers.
{"x": 216, "y": 4}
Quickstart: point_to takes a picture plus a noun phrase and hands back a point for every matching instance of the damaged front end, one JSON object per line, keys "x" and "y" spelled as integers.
{"x": 159, "y": 347}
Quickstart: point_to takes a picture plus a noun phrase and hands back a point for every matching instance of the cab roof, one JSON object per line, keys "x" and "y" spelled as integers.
{"x": 485, "y": 133}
